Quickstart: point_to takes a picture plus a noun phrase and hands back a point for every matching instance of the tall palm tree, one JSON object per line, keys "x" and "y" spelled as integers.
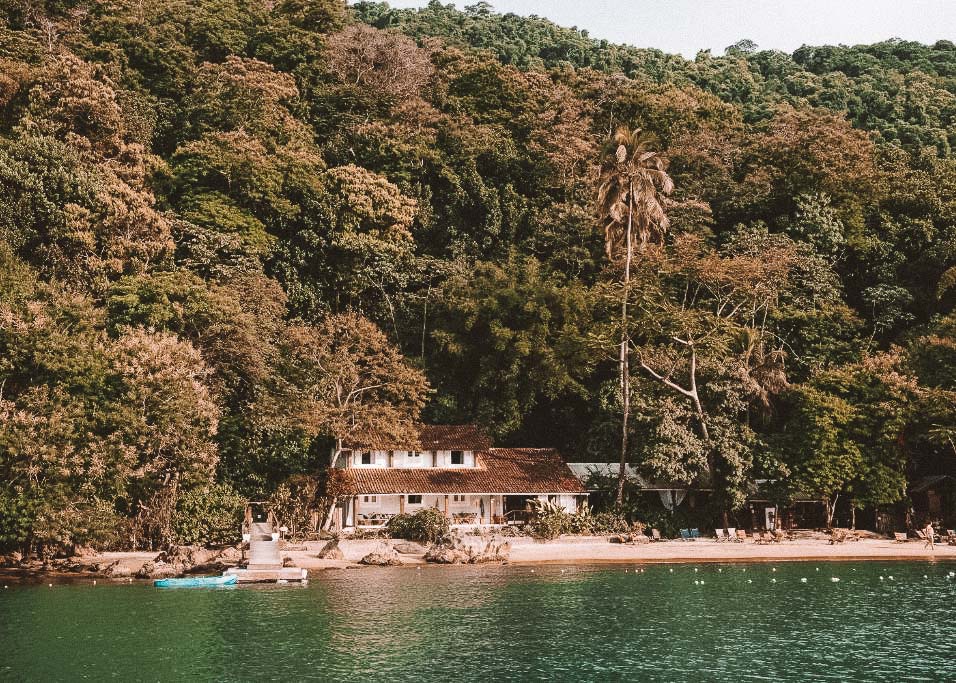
{"x": 633, "y": 178}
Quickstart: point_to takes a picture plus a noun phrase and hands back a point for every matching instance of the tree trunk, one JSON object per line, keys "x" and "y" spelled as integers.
{"x": 625, "y": 351}
{"x": 831, "y": 510}
{"x": 853, "y": 517}
{"x": 336, "y": 452}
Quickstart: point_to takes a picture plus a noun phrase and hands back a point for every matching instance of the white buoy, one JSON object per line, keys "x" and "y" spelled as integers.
{"x": 834, "y": 579}
{"x": 695, "y": 570}
{"x": 890, "y": 577}
{"x": 719, "y": 570}
{"x": 881, "y": 578}
{"x": 925, "y": 577}
{"x": 803, "y": 580}
{"x": 818, "y": 569}
{"x": 701, "y": 582}
{"x": 774, "y": 569}
{"x": 94, "y": 582}
{"x": 696, "y": 582}
{"x": 750, "y": 581}
{"x": 671, "y": 571}
{"x": 50, "y": 585}
{"x": 773, "y": 581}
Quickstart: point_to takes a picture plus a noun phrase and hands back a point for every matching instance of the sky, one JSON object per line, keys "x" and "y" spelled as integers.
{"x": 686, "y": 26}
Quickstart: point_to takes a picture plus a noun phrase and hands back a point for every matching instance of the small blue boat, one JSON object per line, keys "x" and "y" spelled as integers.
{"x": 196, "y": 581}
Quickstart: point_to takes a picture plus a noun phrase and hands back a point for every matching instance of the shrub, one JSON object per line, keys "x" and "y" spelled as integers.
{"x": 211, "y": 516}
{"x": 609, "y": 523}
{"x": 428, "y": 525}
{"x": 550, "y": 523}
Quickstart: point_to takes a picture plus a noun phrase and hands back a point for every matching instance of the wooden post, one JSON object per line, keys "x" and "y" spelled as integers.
{"x": 401, "y": 504}
{"x": 446, "y": 506}
{"x": 355, "y": 509}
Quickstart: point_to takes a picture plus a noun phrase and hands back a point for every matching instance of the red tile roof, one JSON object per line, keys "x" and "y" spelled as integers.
{"x": 498, "y": 470}
{"x": 439, "y": 438}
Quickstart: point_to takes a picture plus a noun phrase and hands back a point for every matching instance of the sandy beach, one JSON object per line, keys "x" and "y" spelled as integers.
{"x": 583, "y": 550}
{"x": 590, "y": 550}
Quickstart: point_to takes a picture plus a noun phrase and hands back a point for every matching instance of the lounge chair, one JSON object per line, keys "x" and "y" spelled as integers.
{"x": 741, "y": 535}
{"x": 920, "y": 535}
{"x": 656, "y": 535}
{"x": 899, "y": 537}
{"x": 837, "y": 536}
{"x": 760, "y": 538}
{"x": 694, "y": 534}
{"x": 732, "y": 534}
{"x": 720, "y": 535}
{"x": 685, "y": 534}
{"x": 779, "y": 535}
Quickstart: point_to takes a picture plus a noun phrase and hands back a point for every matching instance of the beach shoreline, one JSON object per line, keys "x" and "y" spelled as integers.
{"x": 562, "y": 551}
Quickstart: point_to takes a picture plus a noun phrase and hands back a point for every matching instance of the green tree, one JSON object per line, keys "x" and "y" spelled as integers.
{"x": 631, "y": 213}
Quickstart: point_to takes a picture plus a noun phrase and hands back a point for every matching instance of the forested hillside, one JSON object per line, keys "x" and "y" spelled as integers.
{"x": 232, "y": 231}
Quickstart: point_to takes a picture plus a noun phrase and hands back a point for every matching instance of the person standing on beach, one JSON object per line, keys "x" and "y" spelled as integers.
{"x": 930, "y": 535}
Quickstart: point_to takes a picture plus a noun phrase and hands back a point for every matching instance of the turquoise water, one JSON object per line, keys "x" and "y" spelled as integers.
{"x": 499, "y": 623}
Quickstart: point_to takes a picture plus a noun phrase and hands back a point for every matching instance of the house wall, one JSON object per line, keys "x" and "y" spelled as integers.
{"x": 485, "y": 506}
{"x": 405, "y": 459}
{"x": 567, "y": 501}
{"x": 391, "y": 505}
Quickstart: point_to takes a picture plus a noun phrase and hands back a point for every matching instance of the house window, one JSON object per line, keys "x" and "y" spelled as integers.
{"x": 366, "y": 458}
{"x": 369, "y": 499}
{"x": 458, "y": 498}
{"x": 457, "y": 457}
{"x": 414, "y": 456}
{"x": 415, "y": 500}
{"x": 552, "y": 499}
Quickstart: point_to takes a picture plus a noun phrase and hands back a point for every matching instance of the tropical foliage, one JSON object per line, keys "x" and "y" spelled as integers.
{"x": 233, "y": 233}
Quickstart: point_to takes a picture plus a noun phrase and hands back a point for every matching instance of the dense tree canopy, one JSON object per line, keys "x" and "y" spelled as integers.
{"x": 221, "y": 218}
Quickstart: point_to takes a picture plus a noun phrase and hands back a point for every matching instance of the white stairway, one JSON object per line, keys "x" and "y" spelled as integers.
{"x": 263, "y": 551}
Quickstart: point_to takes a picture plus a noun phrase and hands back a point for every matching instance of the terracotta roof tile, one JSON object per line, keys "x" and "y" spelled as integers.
{"x": 440, "y": 438}
{"x": 499, "y": 470}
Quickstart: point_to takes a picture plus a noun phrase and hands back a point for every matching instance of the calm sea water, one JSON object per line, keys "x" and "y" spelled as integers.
{"x": 500, "y": 623}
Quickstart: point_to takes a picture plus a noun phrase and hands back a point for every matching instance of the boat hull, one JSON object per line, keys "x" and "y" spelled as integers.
{"x": 196, "y": 581}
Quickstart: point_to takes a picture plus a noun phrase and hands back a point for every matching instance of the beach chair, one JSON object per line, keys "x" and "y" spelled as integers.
{"x": 899, "y": 537}
{"x": 779, "y": 535}
{"x": 685, "y": 534}
{"x": 741, "y": 535}
{"x": 694, "y": 534}
{"x": 920, "y": 535}
{"x": 656, "y": 535}
{"x": 732, "y": 534}
{"x": 760, "y": 538}
{"x": 720, "y": 535}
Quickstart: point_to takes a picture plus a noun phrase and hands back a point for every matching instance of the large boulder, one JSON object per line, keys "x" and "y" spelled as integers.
{"x": 454, "y": 550}
{"x": 159, "y": 570}
{"x": 383, "y": 556}
{"x": 187, "y": 556}
{"x": 115, "y": 570}
{"x": 331, "y": 551}
{"x": 444, "y": 554}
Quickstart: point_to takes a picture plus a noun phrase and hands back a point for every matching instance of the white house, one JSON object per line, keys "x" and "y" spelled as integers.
{"x": 455, "y": 470}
